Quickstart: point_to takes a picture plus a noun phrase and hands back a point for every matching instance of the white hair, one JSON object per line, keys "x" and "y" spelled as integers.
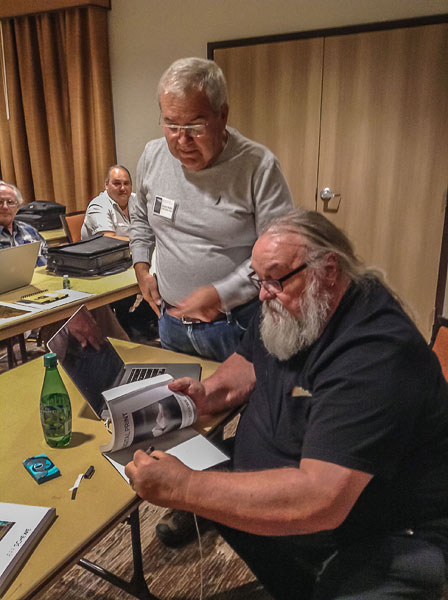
{"x": 188, "y": 74}
{"x": 16, "y": 191}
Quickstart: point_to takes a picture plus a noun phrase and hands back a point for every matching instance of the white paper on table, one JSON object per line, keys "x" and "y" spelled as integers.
{"x": 189, "y": 446}
{"x": 24, "y": 311}
{"x": 72, "y": 296}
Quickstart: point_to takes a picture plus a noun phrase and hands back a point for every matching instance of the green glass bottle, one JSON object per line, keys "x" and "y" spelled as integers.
{"x": 55, "y": 407}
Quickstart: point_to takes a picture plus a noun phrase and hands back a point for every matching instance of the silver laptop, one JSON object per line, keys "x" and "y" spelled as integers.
{"x": 17, "y": 266}
{"x": 93, "y": 364}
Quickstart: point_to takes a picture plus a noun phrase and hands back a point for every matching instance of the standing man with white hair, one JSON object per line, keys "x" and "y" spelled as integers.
{"x": 203, "y": 192}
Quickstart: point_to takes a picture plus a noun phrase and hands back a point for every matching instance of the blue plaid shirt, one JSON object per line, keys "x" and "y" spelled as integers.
{"x": 22, "y": 233}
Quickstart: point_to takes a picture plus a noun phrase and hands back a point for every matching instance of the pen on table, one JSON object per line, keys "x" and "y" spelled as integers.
{"x": 150, "y": 451}
{"x": 87, "y": 475}
{"x": 90, "y": 471}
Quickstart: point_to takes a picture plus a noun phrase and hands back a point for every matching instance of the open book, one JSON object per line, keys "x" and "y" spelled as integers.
{"x": 145, "y": 414}
{"x": 21, "y": 527}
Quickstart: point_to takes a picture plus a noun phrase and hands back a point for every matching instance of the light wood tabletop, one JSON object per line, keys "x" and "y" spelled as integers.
{"x": 101, "y": 501}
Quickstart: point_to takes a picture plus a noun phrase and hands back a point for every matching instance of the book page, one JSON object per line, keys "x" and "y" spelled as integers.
{"x": 190, "y": 447}
{"x": 144, "y": 410}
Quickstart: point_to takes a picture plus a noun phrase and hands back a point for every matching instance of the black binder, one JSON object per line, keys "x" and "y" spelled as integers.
{"x": 98, "y": 255}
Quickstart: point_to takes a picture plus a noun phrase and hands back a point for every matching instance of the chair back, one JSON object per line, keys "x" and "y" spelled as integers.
{"x": 72, "y": 223}
{"x": 440, "y": 345}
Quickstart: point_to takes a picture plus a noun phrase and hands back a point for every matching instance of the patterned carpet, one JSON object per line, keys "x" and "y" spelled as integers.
{"x": 171, "y": 574}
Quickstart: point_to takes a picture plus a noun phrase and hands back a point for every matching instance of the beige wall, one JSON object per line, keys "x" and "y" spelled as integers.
{"x": 147, "y": 35}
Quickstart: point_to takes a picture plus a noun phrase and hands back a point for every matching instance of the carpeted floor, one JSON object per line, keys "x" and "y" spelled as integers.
{"x": 171, "y": 574}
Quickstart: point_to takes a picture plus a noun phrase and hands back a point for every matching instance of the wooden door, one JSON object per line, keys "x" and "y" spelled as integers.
{"x": 275, "y": 98}
{"x": 384, "y": 148}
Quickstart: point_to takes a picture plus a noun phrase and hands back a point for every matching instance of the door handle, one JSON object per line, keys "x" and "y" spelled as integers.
{"x": 326, "y": 194}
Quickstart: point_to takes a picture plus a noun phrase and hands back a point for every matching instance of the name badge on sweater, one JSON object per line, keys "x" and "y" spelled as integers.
{"x": 164, "y": 207}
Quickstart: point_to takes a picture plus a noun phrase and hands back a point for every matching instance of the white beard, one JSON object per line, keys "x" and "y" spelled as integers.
{"x": 284, "y": 335}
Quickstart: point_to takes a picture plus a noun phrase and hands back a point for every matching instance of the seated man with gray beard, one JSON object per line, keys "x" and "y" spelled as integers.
{"x": 339, "y": 480}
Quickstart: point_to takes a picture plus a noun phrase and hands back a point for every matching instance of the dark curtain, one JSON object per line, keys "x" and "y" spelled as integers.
{"x": 59, "y": 139}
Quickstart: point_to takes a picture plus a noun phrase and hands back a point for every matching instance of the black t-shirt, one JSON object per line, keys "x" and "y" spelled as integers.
{"x": 368, "y": 395}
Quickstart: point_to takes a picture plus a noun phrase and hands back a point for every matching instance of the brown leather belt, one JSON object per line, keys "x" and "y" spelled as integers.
{"x": 186, "y": 320}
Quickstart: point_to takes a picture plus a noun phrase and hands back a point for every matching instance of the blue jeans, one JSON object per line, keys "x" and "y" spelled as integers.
{"x": 216, "y": 340}
{"x": 395, "y": 566}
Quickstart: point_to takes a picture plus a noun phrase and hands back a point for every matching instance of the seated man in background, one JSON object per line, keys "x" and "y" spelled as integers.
{"x": 108, "y": 213}
{"x": 15, "y": 232}
{"x": 339, "y": 482}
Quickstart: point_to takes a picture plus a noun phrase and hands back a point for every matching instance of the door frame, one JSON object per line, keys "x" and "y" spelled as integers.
{"x": 344, "y": 30}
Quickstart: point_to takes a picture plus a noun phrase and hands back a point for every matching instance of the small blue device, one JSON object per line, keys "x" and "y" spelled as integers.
{"x": 41, "y": 468}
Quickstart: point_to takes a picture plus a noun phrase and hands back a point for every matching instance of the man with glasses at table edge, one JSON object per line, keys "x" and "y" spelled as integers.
{"x": 14, "y": 232}
{"x": 338, "y": 486}
{"x": 203, "y": 193}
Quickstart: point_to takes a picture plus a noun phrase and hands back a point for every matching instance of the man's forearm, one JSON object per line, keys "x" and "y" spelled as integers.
{"x": 141, "y": 269}
{"x": 275, "y": 502}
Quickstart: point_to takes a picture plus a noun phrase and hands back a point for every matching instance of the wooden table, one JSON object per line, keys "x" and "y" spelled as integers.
{"x": 104, "y": 290}
{"x": 100, "y": 503}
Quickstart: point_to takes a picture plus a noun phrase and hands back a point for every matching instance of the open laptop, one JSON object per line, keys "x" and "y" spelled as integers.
{"x": 17, "y": 266}
{"x": 94, "y": 370}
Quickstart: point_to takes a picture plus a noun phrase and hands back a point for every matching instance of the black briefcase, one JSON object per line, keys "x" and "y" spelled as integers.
{"x": 41, "y": 215}
{"x": 98, "y": 255}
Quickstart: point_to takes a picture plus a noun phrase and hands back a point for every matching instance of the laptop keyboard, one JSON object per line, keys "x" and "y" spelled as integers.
{"x": 139, "y": 374}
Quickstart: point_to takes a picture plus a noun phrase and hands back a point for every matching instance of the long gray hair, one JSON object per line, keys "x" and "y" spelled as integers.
{"x": 322, "y": 238}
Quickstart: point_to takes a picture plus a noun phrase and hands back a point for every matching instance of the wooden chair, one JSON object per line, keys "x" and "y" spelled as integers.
{"x": 440, "y": 344}
{"x": 72, "y": 223}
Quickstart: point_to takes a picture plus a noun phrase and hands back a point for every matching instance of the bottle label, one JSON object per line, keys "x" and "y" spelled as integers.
{"x": 56, "y": 415}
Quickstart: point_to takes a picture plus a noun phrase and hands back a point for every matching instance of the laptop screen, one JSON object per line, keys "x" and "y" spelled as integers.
{"x": 87, "y": 357}
{"x": 17, "y": 265}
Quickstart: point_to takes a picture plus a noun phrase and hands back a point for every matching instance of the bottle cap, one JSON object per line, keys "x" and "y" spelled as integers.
{"x": 50, "y": 360}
